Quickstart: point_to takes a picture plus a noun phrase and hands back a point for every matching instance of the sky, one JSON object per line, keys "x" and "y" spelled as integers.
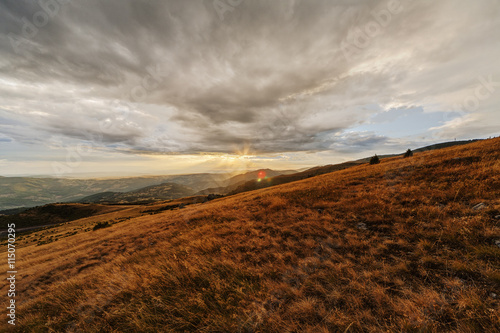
{"x": 130, "y": 87}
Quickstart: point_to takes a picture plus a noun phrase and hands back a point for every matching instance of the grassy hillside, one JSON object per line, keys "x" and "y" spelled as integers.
{"x": 426, "y": 148}
{"x": 51, "y": 223}
{"x": 445, "y": 145}
{"x": 401, "y": 246}
{"x": 53, "y": 214}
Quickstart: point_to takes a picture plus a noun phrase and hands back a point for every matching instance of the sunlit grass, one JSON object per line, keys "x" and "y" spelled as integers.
{"x": 389, "y": 247}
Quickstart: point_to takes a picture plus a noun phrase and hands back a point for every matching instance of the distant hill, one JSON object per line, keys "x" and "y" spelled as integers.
{"x": 18, "y": 192}
{"x": 25, "y": 192}
{"x": 234, "y": 182}
{"x": 283, "y": 179}
{"x": 53, "y": 214}
{"x": 169, "y": 191}
{"x": 255, "y": 174}
{"x": 149, "y": 194}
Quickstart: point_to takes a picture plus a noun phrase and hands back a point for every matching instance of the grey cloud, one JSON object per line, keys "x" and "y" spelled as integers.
{"x": 271, "y": 75}
{"x": 357, "y": 142}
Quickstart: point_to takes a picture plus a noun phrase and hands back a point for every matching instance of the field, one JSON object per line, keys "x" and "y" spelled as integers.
{"x": 407, "y": 245}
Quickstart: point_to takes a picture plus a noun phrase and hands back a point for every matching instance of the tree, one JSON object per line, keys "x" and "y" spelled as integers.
{"x": 408, "y": 153}
{"x": 375, "y": 160}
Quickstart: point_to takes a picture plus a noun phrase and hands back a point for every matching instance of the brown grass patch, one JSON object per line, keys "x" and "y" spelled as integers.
{"x": 396, "y": 246}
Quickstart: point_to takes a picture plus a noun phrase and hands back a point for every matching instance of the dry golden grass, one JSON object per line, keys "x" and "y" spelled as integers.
{"x": 392, "y": 247}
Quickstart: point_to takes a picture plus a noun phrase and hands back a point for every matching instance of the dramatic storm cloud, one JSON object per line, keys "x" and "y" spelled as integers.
{"x": 312, "y": 81}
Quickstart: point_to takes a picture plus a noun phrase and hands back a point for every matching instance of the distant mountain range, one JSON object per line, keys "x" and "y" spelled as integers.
{"x": 149, "y": 194}
{"x": 283, "y": 179}
{"x": 18, "y": 192}
{"x": 170, "y": 191}
{"x": 29, "y": 192}
{"x": 239, "y": 180}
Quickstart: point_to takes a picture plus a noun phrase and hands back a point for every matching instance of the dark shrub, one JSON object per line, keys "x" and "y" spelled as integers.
{"x": 101, "y": 225}
{"x": 374, "y": 160}
{"x": 213, "y": 196}
{"x": 408, "y": 153}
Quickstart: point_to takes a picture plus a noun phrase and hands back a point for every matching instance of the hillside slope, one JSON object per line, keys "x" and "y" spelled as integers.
{"x": 283, "y": 179}
{"x": 53, "y": 214}
{"x": 398, "y": 246}
{"x": 234, "y": 182}
{"x": 436, "y": 146}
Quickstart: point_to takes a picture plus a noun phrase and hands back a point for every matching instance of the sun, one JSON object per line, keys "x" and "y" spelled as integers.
{"x": 244, "y": 151}
{"x": 241, "y": 160}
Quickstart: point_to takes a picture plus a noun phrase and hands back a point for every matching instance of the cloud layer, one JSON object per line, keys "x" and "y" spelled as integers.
{"x": 283, "y": 76}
